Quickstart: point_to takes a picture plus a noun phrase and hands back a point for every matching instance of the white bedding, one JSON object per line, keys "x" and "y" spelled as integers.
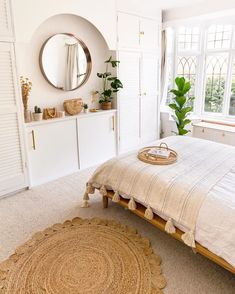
{"x": 215, "y": 221}
{"x": 215, "y": 228}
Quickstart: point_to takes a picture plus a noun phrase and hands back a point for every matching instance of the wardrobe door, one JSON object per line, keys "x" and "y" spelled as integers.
{"x": 129, "y": 101}
{"x": 12, "y": 163}
{"x": 128, "y": 31}
{"x": 149, "y": 34}
{"x": 6, "y": 33}
{"x": 149, "y": 98}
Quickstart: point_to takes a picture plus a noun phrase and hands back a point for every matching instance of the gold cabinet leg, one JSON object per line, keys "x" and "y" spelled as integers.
{"x": 105, "y": 201}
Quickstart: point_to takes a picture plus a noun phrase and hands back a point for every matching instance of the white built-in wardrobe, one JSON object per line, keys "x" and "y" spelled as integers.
{"x": 138, "y": 102}
{"x": 12, "y": 161}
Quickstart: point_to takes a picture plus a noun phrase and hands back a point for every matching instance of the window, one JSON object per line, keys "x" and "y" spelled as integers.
{"x": 232, "y": 93}
{"x": 206, "y": 57}
{"x": 188, "y": 38}
{"x": 219, "y": 37}
{"x": 187, "y": 68}
{"x": 216, "y": 70}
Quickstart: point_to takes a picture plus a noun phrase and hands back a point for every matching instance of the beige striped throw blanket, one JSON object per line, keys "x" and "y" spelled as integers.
{"x": 176, "y": 191}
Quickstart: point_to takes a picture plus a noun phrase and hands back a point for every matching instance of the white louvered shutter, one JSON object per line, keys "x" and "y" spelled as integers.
{"x": 6, "y": 33}
{"x": 12, "y": 169}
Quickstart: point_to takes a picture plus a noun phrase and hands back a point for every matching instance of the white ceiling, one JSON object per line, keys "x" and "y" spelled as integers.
{"x": 169, "y": 4}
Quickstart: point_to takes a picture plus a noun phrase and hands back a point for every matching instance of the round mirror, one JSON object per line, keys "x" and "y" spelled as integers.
{"x": 65, "y": 62}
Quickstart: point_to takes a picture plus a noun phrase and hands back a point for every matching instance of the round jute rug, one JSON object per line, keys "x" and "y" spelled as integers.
{"x": 83, "y": 256}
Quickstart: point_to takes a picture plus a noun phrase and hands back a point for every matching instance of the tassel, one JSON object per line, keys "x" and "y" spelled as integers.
{"x": 169, "y": 227}
{"x": 90, "y": 189}
{"x": 86, "y": 196}
{"x": 85, "y": 204}
{"x": 188, "y": 239}
{"x": 116, "y": 197}
{"x": 132, "y": 204}
{"x": 103, "y": 190}
{"x": 148, "y": 213}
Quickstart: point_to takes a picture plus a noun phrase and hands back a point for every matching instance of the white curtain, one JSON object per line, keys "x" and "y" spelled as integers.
{"x": 72, "y": 69}
{"x": 163, "y": 62}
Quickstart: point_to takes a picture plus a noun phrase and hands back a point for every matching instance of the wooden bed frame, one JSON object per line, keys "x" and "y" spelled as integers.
{"x": 160, "y": 224}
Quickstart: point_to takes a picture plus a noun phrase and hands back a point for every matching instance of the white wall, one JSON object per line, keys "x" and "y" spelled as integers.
{"x": 148, "y": 8}
{"x": 29, "y": 14}
{"x": 202, "y": 8}
{"x": 43, "y": 94}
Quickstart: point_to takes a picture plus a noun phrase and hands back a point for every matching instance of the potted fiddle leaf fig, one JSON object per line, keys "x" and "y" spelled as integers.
{"x": 110, "y": 84}
{"x": 182, "y": 105}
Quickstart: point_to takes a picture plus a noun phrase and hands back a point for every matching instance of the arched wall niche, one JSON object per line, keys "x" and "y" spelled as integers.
{"x": 43, "y": 94}
{"x": 102, "y": 14}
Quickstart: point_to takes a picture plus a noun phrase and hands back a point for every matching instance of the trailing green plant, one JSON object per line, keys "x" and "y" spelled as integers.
{"x": 182, "y": 105}
{"x": 85, "y": 106}
{"x": 37, "y": 109}
{"x": 110, "y": 84}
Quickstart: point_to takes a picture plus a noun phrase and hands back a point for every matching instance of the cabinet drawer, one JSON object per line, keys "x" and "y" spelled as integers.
{"x": 202, "y": 133}
{"x": 224, "y": 137}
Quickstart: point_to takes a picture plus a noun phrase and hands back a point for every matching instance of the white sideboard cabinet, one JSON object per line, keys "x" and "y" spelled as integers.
{"x": 96, "y": 139}
{"x": 59, "y": 147}
{"x": 52, "y": 151}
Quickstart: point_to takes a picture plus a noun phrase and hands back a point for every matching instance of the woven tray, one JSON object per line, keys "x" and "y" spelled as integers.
{"x": 152, "y": 159}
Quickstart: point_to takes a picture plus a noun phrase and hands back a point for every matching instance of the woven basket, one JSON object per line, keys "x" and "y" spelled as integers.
{"x": 73, "y": 106}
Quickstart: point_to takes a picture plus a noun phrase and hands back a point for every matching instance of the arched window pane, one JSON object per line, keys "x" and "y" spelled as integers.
{"x": 232, "y": 97}
{"x": 219, "y": 36}
{"x": 216, "y": 71}
{"x": 187, "y": 69}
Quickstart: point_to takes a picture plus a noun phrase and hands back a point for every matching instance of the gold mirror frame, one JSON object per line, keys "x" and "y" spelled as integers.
{"x": 88, "y": 58}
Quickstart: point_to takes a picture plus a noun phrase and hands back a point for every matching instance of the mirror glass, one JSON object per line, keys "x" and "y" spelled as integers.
{"x": 65, "y": 62}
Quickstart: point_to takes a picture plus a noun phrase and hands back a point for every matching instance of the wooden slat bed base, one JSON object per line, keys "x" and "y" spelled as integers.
{"x": 160, "y": 224}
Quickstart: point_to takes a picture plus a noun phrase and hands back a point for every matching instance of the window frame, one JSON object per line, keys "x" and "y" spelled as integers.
{"x": 200, "y": 78}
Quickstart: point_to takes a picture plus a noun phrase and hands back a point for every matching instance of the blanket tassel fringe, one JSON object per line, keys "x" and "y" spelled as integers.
{"x": 169, "y": 227}
{"x": 85, "y": 204}
{"x": 116, "y": 197}
{"x": 188, "y": 239}
{"x": 132, "y": 204}
{"x": 103, "y": 191}
{"x": 148, "y": 213}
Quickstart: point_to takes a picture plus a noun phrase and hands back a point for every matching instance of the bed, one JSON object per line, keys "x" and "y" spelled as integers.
{"x": 192, "y": 199}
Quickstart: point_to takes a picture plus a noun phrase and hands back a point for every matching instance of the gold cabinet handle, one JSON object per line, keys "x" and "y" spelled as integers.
{"x": 113, "y": 123}
{"x": 203, "y": 130}
{"x": 33, "y": 140}
{"x": 142, "y": 33}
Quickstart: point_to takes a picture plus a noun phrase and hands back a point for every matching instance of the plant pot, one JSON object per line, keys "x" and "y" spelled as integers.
{"x": 106, "y": 105}
{"x": 37, "y": 116}
{"x": 85, "y": 110}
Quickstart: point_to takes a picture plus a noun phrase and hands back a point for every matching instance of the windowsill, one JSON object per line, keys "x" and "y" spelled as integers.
{"x": 205, "y": 118}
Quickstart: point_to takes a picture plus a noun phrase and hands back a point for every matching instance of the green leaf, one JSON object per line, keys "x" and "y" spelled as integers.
{"x": 107, "y": 74}
{"x": 181, "y": 100}
{"x": 109, "y": 60}
{"x": 99, "y": 75}
{"x": 183, "y": 132}
{"x": 173, "y": 106}
{"x": 180, "y": 82}
{"x": 107, "y": 93}
{"x": 187, "y": 87}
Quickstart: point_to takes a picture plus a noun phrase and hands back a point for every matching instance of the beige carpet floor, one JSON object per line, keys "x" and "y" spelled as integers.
{"x": 30, "y": 211}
